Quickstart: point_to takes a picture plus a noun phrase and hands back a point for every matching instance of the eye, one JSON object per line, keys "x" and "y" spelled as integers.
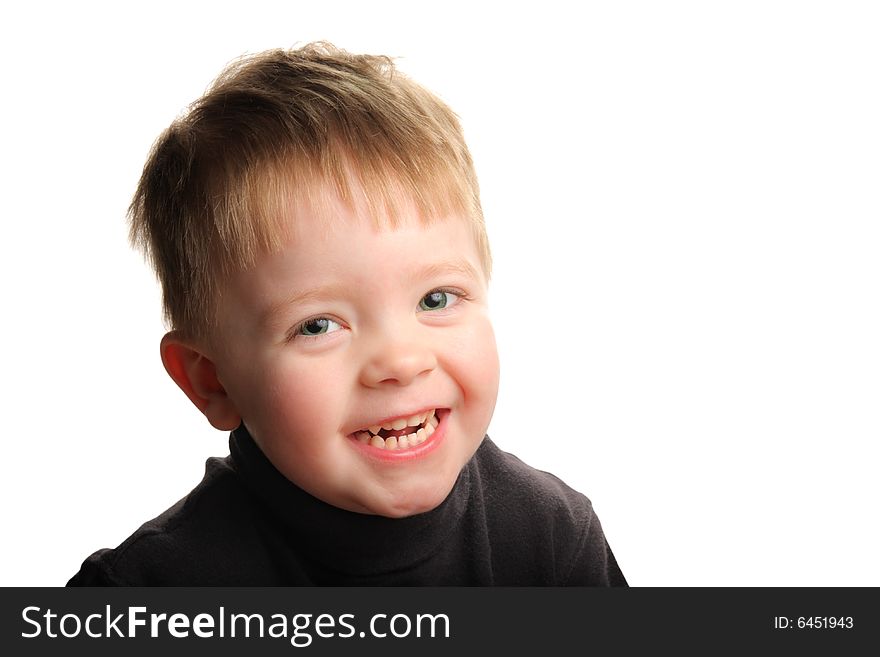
{"x": 439, "y": 299}
{"x": 317, "y": 326}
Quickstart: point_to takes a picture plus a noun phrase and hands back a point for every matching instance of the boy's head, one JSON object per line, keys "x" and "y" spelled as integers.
{"x": 315, "y": 224}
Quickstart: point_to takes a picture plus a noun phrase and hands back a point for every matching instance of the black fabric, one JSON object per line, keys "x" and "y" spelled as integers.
{"x": 245, "y": 524}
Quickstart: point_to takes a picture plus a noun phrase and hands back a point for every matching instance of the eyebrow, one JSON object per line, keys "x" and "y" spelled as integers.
{"x": 335, "y": 290}
{"x": 436, "y": 270}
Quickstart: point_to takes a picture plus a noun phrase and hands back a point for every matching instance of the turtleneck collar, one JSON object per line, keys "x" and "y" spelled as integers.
{"x": 345, "y": 541}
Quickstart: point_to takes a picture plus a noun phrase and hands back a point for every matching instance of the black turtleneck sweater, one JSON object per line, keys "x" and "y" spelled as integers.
{"x": 245, "y": 524}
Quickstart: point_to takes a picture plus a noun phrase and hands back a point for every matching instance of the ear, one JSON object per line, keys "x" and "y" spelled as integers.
{"x": 196, "y": 375}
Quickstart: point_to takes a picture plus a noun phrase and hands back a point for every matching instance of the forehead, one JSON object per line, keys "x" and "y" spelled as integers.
{"x": 315, "y": 216}
{"x": 343, "y": 240}
{"x": 289, "y": 203}
{"x": 335, "y": 250}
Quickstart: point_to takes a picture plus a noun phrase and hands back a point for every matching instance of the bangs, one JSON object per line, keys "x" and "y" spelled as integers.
{"x": 287, "y": 192}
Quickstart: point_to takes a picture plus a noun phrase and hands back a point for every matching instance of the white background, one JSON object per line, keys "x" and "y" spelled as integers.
{"x": 683, "y": 201}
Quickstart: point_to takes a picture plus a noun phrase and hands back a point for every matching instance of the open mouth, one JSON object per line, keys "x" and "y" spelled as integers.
{"x": 400, "y": 434}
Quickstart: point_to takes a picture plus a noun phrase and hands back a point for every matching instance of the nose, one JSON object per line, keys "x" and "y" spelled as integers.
{"x": 397, "y": 361}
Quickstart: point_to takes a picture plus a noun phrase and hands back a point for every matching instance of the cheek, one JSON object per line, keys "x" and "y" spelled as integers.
{"x": 476, "y": 361}
{"x": 291, "y": 401}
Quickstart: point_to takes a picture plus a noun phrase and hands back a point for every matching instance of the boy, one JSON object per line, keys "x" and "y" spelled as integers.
{"x": 315, "y": 223}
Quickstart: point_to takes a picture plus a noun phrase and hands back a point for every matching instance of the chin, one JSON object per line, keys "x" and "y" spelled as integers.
{"x": 412, "y": 502}
{"x": 406, "y": 510}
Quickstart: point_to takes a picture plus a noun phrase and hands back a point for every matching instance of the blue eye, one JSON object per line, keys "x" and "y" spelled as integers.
{"x": 438, "y": 299}
{"x": 317, "y": 326}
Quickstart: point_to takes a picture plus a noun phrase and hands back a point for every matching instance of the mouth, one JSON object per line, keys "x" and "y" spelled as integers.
{"x": 401, "y": 433}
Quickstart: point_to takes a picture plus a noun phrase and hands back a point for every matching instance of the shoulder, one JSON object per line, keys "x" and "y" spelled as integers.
{"x": 188, "y": 544}
{"x": 533, "y": 516}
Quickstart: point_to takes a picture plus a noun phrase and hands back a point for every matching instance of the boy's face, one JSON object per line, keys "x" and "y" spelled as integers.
{"x": 350, "y": 327}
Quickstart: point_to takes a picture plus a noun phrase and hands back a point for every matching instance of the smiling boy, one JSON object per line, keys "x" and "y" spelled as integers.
{"x": 369, "y": 373}
{"x": 315, "y": 223}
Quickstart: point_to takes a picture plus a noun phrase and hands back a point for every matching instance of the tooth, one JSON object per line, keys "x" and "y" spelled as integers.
{"x": 398, "y": 424}
{"x": 375, "y": 430}
{"x": 415, "y": 420}
{"x": 403, "y": 442}
{"x": 429, "y": 430}
{"x": 363, "y": 436}
{"x": 391, "y": 442}
{"x": 432, "y": 420}
{"x": 387, "y": 427}
{"x": 378, "y": 441}
{"x": 420, "y": 437}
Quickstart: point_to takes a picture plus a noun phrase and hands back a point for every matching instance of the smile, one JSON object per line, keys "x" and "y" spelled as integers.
{"x": 400, "y": 434}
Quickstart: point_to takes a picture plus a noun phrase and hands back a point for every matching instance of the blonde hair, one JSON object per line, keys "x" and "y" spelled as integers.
{"x": 282, "y": 126}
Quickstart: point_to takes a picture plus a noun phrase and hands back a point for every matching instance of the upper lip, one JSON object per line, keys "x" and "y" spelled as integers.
{"x": 391, "y": 418}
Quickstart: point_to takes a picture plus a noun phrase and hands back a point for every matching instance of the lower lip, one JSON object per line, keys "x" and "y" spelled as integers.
{"x": 402, "y": 455}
